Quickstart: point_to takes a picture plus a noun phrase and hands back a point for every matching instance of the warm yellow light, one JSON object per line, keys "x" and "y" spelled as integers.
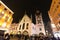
{"x": 4, "y": 24}
{"x": 9, "y": 18}
{"x": 53, "y": 25}
{"x": 8, "y": 26}
{"x": 3, "y": 17}
{"x": 0, "y": 23}
{"x": 2, "y": 12}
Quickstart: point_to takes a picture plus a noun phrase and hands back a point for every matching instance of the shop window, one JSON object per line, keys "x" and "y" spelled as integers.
{"x": 23, "y": 26}
{"x": 27, "y": 26}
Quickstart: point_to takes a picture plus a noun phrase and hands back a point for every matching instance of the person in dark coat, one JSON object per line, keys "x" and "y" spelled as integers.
{"x": 53, "y": 38}
{"x": 58, "y": 38}
{"x": 7, "y": 37}
{"x": 1, "y": 38}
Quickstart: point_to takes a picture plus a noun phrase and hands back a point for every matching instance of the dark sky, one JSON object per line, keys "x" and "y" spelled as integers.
{"x": 30, "y": 6}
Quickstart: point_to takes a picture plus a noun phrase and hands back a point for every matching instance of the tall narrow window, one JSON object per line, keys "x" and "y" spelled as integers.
{"x": 23, "y": 26}
{"x": 20, "y": 27}
{"x": 27, "y": 26}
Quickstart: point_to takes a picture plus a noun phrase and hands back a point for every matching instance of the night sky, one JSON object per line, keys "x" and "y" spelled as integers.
{"x": 20, "y": 6}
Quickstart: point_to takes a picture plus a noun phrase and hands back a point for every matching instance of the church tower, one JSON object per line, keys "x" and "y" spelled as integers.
{"x": 39, "y": 23}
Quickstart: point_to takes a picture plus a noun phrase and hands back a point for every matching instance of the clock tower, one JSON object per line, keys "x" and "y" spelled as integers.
{"x": 39, "y": 23}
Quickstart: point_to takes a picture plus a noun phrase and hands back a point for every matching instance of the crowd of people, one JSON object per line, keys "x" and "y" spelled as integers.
{"x": 26, "y": 37}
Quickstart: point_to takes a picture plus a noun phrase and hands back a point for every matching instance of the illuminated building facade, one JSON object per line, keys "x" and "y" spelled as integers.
{"x": 25, "y": 25}
{"x": 5, "y": 16}
{"x": 39, "y": 23}
{"x": 13, "y": 28}
{"x": 54, "y": 14}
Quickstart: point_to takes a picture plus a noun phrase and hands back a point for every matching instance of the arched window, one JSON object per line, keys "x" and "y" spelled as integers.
{"x": 23, "y": 26}
{"x": 20, "y": 27}
{"x": 27, "y": 25}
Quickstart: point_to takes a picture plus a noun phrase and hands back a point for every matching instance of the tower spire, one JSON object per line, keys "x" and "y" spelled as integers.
{"x": 25, "y": 12}
{"x": 31, "y": 16}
